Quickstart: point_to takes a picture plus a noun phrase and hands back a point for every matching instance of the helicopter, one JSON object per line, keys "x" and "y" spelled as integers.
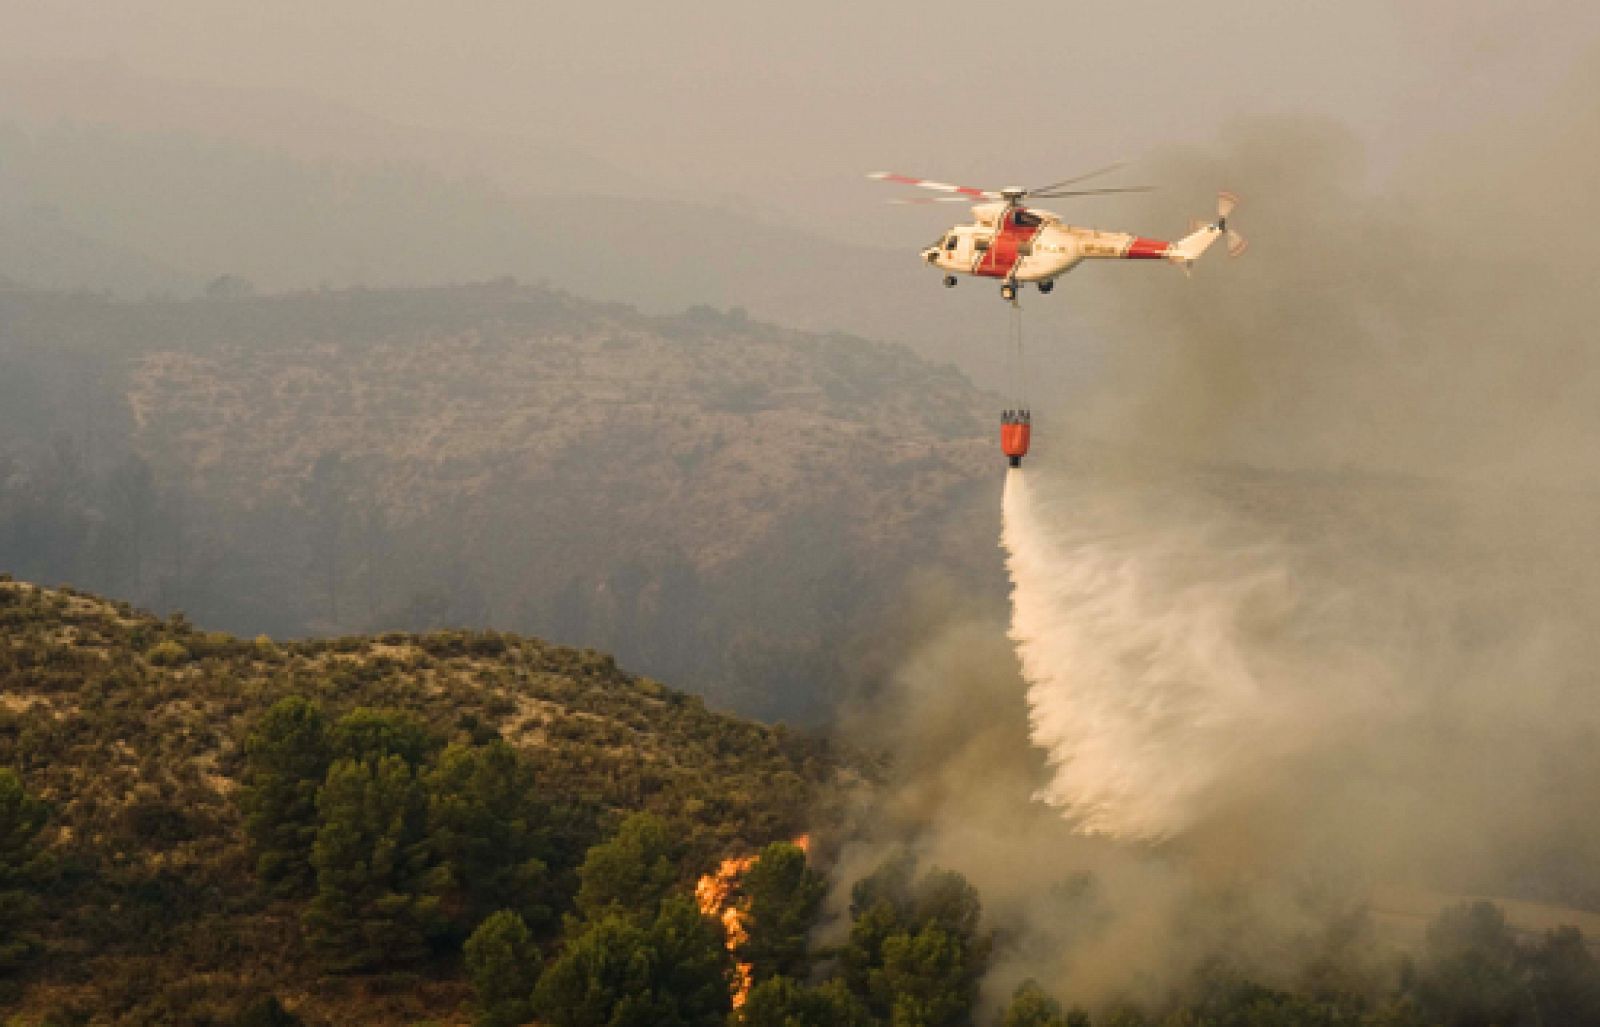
{"x": 1017, "y": 243}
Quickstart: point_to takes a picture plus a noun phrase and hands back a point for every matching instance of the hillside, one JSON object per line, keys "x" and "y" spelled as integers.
{"x": 717, "y": 500}
{"x": 138, "y": 885}
{"x": 177, "y": 206}
{"x": 40, "y": 247}
{"x": 132, "y": 730}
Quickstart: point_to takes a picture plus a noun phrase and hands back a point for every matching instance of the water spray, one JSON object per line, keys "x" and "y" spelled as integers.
{"x": 1145, "y": 640}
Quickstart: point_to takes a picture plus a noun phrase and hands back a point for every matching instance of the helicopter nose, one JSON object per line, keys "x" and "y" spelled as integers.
{"x": 930, "y": 254}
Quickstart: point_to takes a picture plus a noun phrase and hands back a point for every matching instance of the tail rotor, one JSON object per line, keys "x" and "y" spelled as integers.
{"x": 1237, "y": 244}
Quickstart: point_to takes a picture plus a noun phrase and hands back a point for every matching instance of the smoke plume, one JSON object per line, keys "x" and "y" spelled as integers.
{"x": 1305, "y": 586}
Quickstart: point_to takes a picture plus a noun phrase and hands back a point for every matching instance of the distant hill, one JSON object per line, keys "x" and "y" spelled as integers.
{"x": 132, "y": 730}
{"x": 200, "y": 204}
{"x": 38, "y": 246}
{"x": 725, "y": 504}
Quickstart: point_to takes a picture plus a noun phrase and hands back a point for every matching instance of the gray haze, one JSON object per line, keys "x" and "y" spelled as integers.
{"x": 374, "y": 145}
{"x": 784, "y": 107}
{"x": 1368, "y": 448}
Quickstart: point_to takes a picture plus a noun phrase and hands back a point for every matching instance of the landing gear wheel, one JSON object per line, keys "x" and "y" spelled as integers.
{"x": 949, "y": 281}
{"x": 1008, "y": 292}
{"x": 1047, "y": 285}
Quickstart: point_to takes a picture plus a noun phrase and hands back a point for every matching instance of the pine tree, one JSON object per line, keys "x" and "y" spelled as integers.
{"x": 675, "y": 972}
{"x": 783, "y": 1002}
{"x": 376, "y": 901}
{"x": 631, "y": 873}
{"x": 1032, "y": 1006}
{"x": 693, "y": 969}
{"x": 603, "y": 966}
{"x": 503, "y": 965}
{"x": 784, "y": 896}
{"x": 915, "y": 954}
{"x": 365, "y": 733}
{"x": 1564, "y": 979}
{"x": 286, "y": 761}
{"x": 926, "y": 979}
{"x": 486, "y": 824}
{"x": 1469, "y": 973}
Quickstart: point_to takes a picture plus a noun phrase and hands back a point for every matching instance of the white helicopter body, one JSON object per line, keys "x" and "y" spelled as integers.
{"x": 1015, "y": 243}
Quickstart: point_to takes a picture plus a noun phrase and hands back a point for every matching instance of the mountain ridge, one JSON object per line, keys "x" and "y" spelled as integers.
{"x": 716, "y": 499}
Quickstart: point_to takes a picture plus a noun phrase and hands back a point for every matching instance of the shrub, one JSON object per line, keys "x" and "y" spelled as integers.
{"x": 167, "y": 653}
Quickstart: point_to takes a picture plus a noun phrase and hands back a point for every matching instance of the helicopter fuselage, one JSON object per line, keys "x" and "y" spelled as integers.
{"x": 1023, "y": 244}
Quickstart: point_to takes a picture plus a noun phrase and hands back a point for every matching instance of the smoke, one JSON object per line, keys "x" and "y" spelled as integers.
{"x": 1430, "y": 322}
{"x": 1305, "y": 588}
{"x": 1233, "y": 705}
{"x": 1332, "y": 558}
{"x": 1098, "y": 918}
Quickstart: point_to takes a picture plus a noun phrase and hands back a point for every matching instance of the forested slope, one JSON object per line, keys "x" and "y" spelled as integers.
{"x": 460, "y": 827}
{"x": 715, "y": 500}
{"x": 144, "y": 740}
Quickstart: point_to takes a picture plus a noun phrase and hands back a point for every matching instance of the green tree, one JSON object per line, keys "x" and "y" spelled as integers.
{"x": 376, "y": 901}
{"x": 694, "y": 969}
{"x": 503, "y": 965}
{"x": 486, "y": 824}
{"x": 286, "y": 759}
{"x": 630, "y": 873}
{"x": 1126, "y": 1016}
{"x": 675, "y": 972}
{"x": 23, "y": 865}
{"x": 1032, "y": 1006}
{"x": 1227, "y": 999}
{"x": 783, "y": 1002}
{"x": 1397, "y": 1011}
{"x": 1564, "y": 979}
{"x": 365, "y": 733}
{"x": 784, "y": 896}
{"x": 1468, "y": 975}
{"x": 915, "y": 953}
{"x": 926, "y": 979}
{"x": 597, "y": 970}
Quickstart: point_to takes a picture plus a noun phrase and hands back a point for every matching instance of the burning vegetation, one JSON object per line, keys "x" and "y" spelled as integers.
{"x": 720, "y": 896}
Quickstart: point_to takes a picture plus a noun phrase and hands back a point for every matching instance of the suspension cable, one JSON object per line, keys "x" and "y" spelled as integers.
{"x": 1020, "y": 390}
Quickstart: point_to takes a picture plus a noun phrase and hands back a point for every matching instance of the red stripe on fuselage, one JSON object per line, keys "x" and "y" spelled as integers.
{"x": 1147, "y": 249}
{"x": 1001, "y": 257}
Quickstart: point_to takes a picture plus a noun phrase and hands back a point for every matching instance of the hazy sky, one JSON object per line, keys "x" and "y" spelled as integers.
{"x": 780, "y": 112}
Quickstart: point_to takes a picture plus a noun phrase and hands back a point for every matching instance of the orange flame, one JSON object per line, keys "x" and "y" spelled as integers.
{"x": 713, "y": 894}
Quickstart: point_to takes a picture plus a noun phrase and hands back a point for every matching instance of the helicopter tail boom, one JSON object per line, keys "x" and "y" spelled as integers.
{"x": 1192, "y": 246}
{"x": 1189, "y": 249}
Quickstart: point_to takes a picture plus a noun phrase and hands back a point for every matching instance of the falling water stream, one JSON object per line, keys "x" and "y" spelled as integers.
{"x": 1172, "y": 656}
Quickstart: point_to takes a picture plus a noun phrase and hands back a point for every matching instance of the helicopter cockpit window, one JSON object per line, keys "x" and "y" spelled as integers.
{"x": 1027, "y": 219}
{"x": 950, "y": 241}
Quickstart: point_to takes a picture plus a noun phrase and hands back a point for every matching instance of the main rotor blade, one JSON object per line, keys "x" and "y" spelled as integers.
{"x": 1091, "y": 192}
{"x": 943, "y": 187}
{"x": 905, "y": 200}
{"x": 1078, "y": 178}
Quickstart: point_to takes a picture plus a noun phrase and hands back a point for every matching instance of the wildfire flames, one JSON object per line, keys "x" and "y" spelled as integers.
{"x": 714, "y": 893}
